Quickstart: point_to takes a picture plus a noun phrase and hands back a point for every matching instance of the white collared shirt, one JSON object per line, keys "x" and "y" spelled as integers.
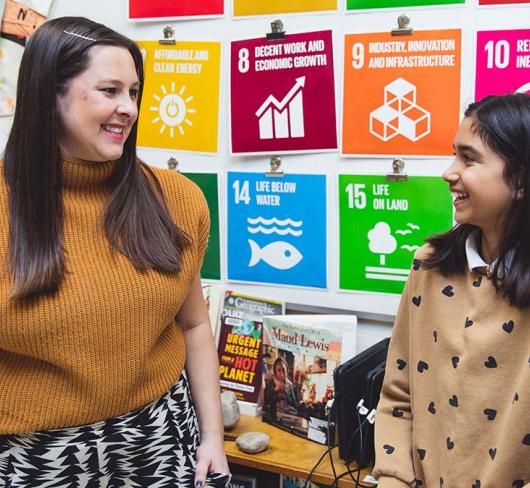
{"x": 475, "y": 261}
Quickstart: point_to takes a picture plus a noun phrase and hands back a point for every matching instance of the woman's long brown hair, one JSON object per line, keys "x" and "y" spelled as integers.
{"x": 136, "y": 220}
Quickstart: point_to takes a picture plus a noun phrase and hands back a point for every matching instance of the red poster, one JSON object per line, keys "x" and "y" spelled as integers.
{"x": 163, "y": 9}
{"x": 501, "y": 2}
{"x": 283, "y": 94}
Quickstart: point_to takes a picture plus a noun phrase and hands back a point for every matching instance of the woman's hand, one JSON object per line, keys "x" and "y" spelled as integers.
{"x": 210, "y": 458}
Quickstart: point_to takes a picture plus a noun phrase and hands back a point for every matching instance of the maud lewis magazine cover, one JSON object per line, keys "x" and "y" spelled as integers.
{"x": 300, "y": 353}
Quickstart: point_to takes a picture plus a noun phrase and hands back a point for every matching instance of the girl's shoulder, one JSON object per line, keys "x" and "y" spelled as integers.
{"x": 423, "y": 252}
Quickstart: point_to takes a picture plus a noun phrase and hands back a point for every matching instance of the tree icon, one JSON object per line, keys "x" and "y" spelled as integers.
{"x": 381, "y": 241}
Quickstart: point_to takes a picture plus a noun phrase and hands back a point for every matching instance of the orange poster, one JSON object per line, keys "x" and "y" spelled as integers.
{"x": 401, "y": 94}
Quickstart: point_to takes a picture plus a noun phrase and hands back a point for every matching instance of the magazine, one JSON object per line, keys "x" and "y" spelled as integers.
{"x": 240, "y": 346}
{"x": 300, "y": 353}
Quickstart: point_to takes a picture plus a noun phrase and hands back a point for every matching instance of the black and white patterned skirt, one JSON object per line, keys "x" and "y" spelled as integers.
{"x": 153, "y": 447}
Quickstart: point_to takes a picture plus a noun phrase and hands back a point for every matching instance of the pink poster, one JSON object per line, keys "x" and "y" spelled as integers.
{"x": 503, "y": 62}
{"x": 283, "y": 94}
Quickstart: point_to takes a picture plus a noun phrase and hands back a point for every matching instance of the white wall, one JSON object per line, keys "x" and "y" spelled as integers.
{"x": 469, "y": 18}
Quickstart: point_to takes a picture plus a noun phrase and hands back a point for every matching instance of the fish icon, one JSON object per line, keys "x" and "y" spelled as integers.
{"x": 279, "y": 254}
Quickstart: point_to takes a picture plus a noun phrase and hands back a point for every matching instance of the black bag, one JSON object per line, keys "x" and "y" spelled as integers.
{"x": 360, "y": 378}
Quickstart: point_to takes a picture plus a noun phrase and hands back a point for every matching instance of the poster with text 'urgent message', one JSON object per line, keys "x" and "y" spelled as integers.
{"x": 266, "y": 7}
{"x": 503, "y": 62}
{"x": 180, "y": 104}
{"x": 401, "y": 94}
{"x": 283, "y": 94}
{"x": 277, "y": 229}
{"x": 383, "y": 223}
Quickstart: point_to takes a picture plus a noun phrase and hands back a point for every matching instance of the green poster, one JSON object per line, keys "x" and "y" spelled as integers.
{"x": 365, "y": 4}
{"x": 383, "y": 223}
{"x": 207, "y": 182}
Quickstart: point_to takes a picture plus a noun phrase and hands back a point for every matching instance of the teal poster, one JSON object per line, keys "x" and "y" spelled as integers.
{"x": 383, "y": 223}
{"x": 365, "y": 4}
{"x": 207, "y": 182}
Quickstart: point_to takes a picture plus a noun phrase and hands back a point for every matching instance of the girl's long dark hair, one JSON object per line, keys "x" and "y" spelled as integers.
{"x": 136, "y": 220}
{"x": 503, "y": 124}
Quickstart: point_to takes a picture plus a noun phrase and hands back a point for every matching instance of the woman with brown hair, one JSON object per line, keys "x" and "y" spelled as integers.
{"x": 101, "y": 307}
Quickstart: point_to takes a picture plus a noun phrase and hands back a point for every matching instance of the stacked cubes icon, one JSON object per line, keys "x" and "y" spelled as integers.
{"x": 400, "y": 114}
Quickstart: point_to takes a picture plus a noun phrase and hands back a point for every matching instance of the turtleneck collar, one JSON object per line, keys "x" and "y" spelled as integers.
{"x": 86, "y": 175}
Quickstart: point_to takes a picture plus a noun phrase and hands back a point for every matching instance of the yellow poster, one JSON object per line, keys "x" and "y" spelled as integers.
{"x": 180, "y": 102}
{"x": 264, "y": 7}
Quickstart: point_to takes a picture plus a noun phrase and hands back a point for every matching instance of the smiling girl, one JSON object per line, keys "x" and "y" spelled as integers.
{"x": 101, "y": 307}
{"x": 454, "y": 410}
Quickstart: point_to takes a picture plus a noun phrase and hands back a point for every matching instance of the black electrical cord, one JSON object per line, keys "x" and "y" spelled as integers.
{"x": 328, "y": 451}
{"x": 329, "y": 443}
{"x": 308, "y": 478}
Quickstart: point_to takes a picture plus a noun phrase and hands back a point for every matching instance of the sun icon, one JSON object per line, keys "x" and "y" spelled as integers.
{"x": 172, "y": 110}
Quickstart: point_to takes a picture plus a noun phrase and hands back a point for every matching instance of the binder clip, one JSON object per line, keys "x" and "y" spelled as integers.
{"x": 173, "y": 164}
{"x": 371, "y": 416}
{"x": 275, "y": 170}
{"x": 277, "y": 33}
{"x": 398, "y": 165}
{"x": 403, "y": 27}
{"x": 169, "y": 36}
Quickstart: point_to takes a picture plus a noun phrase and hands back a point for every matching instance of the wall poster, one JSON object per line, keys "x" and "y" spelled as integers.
{"x": 502, "y": 2}
{"x": 166, "y": 9}
{"x": 503, "y": 62}
{"x": 277, "y": 229}
{"x": 266, "y": 7}
{"x": 381, "y": 225}
{"x": 207, "y": 182}
{"x": 366, "y": 4}
{"x": 283, "y": 94}
{"x": 392, "y": 88}
{"x": 180, "y": 103}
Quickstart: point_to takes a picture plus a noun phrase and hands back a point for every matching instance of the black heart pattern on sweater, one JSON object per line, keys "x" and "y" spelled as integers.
{"x": 493, "y": 453}
{"x": 422, "y": 366}
{"x": 515, "y": 397}
{"x": 490, "y": 413}
{"x": 441, "y": 482}
{"x": 455, "y": 360}
{"x": 416, "y": 264}
{"x": 435, "y": 335}
{"x": 526, "y": 440}
{"x": 508, "y": 326}
{"x": 477, "y": 282}
{"x": 416, "y": 300}
{"x": 450, "y": 443}
{"x": 401, "y": 364}
{"x": 396, "y": 412}
{"x": 453, "y": 401}
{"x": 468, "y": 323}
{"x": 432, "y": 408}
{"x": 476, "y": 484}
{"x": 421, "y": 453}
{"x": 518, "y": 484}
{"x": 418, "y": 483}
{"x": 491, "y": 362}
{"x": 448, "y": 291}
{"x": 388, "y": 448}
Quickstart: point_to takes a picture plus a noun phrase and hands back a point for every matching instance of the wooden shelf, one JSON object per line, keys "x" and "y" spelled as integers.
{"x": 288, "y": 454}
